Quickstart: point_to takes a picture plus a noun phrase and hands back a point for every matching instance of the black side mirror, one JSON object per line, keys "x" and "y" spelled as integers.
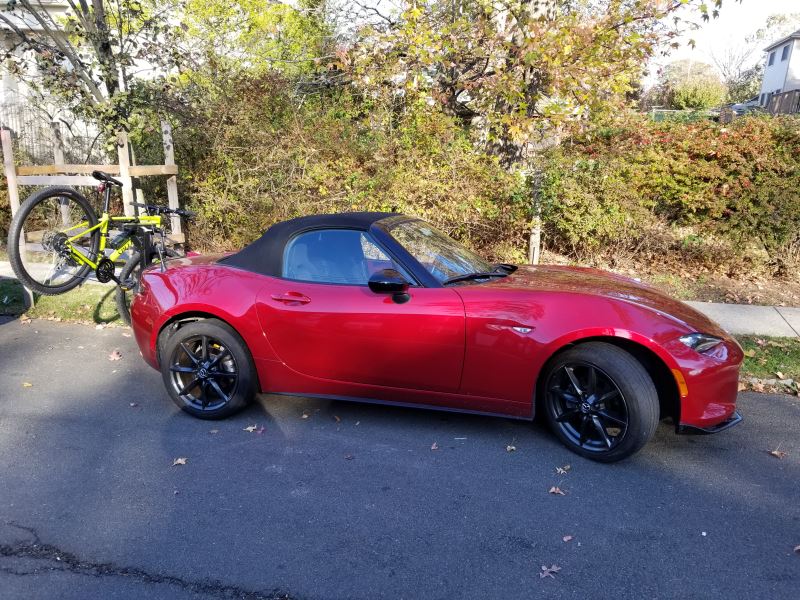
{"x": 388, "y": 281}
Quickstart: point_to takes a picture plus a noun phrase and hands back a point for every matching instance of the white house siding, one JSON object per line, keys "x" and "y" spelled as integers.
{"x": 793, "y": 73}
{"x": 774, "y": 75}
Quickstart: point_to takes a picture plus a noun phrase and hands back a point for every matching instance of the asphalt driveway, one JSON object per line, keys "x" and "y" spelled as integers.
{"x": 352, "y": 502}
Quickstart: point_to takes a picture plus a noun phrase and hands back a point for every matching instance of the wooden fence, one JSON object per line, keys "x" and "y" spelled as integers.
{"x": 787, "y": 103}
{"x": 60, "y": 173}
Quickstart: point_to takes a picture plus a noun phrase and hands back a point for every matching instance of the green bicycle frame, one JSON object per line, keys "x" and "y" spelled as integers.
{"x": 103, "y": 226}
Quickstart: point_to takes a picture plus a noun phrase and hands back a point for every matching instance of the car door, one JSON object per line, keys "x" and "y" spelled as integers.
{"x": 323, "y": 321}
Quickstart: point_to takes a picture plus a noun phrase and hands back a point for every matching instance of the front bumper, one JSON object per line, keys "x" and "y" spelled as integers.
{"x": 687, "y": 429}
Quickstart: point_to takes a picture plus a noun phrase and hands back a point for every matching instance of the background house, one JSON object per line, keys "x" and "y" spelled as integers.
{"x": 781, "y": 71}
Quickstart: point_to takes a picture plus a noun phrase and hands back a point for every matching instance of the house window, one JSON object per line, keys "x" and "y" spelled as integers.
{"x": 785, "y": 52}
{"x": 771, "y": 59}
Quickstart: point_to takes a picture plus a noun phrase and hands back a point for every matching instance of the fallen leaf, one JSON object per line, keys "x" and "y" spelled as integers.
{"x": 338, "y": 420}
{"x": 779, "y": 375}
{"x": 26, "y": 384}
{"x": 349, "y": 457}
{"x": 563, "y": 470}
{"x": 549, "y": 571}
{"x": 115, "y": 355}
{"x": 703, "y": 533}
{"x": 511, "y": 448}
{"x": 778, "y": 453}
{"x": 556, "y": 490}
{"x": 179, "y": 461}
{"x": 133, "y": 404}
{"x": 213, "y": 431}
{"x": 750, "y": 353}
{"x": 304, "y": 415}
{"x": 567, "y": 538}
{"x": 126, "y": 334}
{"x": 797, "y": 549}
{"x": 434, "y": 446}
{"x": 24, "y": 320}
{"x": 250, "y": 428}
{"x": 758, "y": 387}
{"x": 742, "y": 386}
{"x": 100, "y": 326}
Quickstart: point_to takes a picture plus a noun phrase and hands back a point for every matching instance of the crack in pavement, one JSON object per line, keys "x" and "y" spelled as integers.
{"x": 63, "y": 561}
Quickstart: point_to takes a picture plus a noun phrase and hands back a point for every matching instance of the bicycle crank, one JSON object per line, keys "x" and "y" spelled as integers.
{"x": 105, "y": 271}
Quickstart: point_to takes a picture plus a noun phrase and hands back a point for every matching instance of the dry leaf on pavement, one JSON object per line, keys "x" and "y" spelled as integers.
{"x": 213, "y": 431}
{"x": 304, "y": 415}
{"x": 337, "y": 419}
{"x": 549, "y": 571}
{"x": 563, "y": 470}
{"x": 179, "y": 461}
{"x": 797, "y": 549}
{"x": 115, "y": 355}
{"x": 742, "y": 386}
{"x": 556, "y": 490}
{"x": 511, "y": 448}
{"x": 567, "y": 538}
{"x": 250, "y": 428}
{"x": 27, "y": 384}
{"x": 779, "y": 375}
{"x": 24, "y": 320}
{"x": 434, "y": 446}
{"x": 778, "y": 453}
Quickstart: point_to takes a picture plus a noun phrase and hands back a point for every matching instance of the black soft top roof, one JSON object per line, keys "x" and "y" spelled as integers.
{"x": 265, "y": 255}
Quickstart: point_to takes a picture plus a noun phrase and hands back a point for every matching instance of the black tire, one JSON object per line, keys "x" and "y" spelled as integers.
{"x": 600, "y": 401}
{"x": 131, "y": 271}
{"x": 28, "y": 217}
{"x": 227, "y": 362}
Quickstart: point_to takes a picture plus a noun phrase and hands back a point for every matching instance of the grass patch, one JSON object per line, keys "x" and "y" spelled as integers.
{"x": 12, "y": 297}
{"x": 771, "y": 358}
{"x": 87, "y": 304}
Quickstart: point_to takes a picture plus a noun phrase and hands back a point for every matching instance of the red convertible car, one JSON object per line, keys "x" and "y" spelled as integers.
{"x": 381, "y": 307}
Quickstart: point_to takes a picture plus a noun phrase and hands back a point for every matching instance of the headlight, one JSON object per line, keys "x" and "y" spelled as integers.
{"x": 700, "y": 342}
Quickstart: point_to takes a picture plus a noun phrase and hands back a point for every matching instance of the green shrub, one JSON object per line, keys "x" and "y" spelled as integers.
{"x": 272, "y": 157}
{"x": 722, "y": 195}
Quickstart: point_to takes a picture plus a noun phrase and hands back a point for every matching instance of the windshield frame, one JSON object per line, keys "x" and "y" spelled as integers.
{"x": 383, "y": 229}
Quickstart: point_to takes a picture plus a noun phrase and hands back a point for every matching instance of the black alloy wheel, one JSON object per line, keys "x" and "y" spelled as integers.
{"x": 600, "y": 401}
{"x": 207, "y": 369}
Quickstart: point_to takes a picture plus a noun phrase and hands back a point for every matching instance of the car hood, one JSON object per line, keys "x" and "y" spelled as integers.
{"x": 581, "y": 280}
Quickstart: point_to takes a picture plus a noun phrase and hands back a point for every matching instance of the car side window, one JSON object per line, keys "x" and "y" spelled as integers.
{"x": 342, "y": 256}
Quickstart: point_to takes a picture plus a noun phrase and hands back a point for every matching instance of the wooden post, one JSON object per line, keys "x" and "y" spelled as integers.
{"x": 124, "y": 173}
{"x": 13, "y": 197}
{"x": 10, "y": 170}
{"x": 58, "y": 160}
{"x": 172, "y": 182}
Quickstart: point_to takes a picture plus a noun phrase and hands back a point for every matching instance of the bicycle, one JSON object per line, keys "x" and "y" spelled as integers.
{"x": 56, "y": 240}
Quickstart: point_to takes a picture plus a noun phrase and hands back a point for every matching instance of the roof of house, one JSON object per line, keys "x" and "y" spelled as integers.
{"x": 791, "y": 36}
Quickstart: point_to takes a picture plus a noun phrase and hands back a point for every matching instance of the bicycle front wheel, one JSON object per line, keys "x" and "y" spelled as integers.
{"x": 50, "y": 228}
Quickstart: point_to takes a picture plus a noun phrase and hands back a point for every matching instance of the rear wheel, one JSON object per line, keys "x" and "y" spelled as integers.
{"x": 208, "y": 370}
{"x": 600, "y": 401}
{"x": 130, "y": 276}
{"x": 38, "y": 246}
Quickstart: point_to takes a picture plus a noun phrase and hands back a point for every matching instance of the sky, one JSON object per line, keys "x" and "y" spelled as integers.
{"x": 735, "y": 22}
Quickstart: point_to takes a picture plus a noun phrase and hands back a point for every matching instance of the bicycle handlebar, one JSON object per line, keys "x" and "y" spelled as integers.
{"x": 166, "y": 210}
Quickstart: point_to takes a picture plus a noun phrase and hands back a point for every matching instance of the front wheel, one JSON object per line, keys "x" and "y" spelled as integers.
{"x": 600, "y": 401}
{"x": 207, "y": 369}
{"x": 48, "y": 231}
{"x": 130, "y": 277}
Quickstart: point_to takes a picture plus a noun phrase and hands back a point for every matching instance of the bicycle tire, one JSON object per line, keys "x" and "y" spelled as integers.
{"x": 17, "y": 226}
{"x": 133, "y": 268}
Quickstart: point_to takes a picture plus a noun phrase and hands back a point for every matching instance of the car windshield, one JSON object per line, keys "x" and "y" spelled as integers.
{"x": 442, "y": 256}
